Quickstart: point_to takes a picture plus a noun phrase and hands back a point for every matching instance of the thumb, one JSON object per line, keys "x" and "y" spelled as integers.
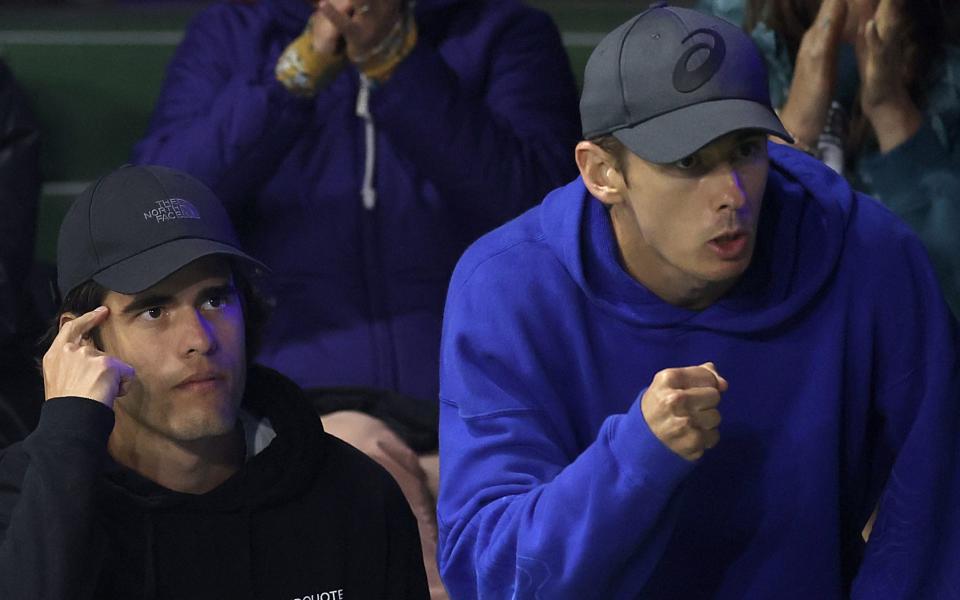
{"x": 125, "y": 375}
{"x": 722, "y": 384}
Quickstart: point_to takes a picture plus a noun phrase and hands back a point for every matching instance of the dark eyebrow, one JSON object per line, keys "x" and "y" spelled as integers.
{"x": 227, "y": 289}
{"x": 143, "y": 302}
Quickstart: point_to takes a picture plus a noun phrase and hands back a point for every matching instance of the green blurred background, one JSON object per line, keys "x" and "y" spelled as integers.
{"x": 92, "y": 71}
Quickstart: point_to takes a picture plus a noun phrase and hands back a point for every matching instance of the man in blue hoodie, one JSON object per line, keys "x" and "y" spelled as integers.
{"x": 693, "y": 271}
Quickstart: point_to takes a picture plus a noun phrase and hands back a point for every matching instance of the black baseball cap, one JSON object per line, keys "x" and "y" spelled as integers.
{"x": 671, "y": 80}
{"x": 137, "y": 225}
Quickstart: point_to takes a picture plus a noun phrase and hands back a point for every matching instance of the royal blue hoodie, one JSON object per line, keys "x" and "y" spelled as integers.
{"x": 841, "y": 358}
{"x": 471, "y": 129}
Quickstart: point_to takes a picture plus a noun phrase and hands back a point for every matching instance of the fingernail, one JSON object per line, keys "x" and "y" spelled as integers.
{"x": 100, "y": 309}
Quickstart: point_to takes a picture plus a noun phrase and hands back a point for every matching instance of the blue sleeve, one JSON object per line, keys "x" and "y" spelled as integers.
{"x": 914, "y": 548}
{"x": 920, "y": 182}
{"x": 47, "y": 503}
{"x": 498, "y": 149}
{"x": 216, "y": 117}
{"x": 525, "y": 509}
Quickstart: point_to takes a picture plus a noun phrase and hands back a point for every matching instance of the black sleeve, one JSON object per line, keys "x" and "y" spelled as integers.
{"x": 406, "y": 576}
{"x": 47, "y": 507}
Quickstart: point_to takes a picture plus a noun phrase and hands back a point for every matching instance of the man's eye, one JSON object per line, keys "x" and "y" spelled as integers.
{"x": 152, "y": 314}
{"x": 749, "y": 148}
{"x": 215, "y": 302}
{"x": 687, "y": 162}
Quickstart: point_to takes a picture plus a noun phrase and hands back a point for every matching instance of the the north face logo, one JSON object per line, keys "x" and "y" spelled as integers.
{"x": 172, "y": 209}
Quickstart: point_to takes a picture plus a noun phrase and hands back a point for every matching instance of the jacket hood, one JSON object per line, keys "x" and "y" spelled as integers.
{"x": 292, "y": 14}
{"x": 803, "y": 201}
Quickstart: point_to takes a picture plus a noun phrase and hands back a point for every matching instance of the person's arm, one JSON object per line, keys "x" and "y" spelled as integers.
{"x": 19, "y": 196}
{"x": 914, "y": 546}
{"x": 405, "y": 575}
{"x": 47, "y": 495}
{"x": 919, "y": 180}
{"x": 525, "y": 507}
{"x": 47, "y": 502}
{"x": 218, "y": 116}
{"x": 495, "y": 150}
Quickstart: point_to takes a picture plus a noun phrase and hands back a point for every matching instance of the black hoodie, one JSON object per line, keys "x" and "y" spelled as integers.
{"x": 309, "y": 517}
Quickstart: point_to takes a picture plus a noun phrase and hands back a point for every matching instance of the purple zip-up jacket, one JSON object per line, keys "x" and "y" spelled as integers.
{"x": 473, "y": 127}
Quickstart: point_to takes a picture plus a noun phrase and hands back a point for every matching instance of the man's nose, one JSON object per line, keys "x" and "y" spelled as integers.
{"x": 727, "y": 189}
{"x": 198, "y": 335}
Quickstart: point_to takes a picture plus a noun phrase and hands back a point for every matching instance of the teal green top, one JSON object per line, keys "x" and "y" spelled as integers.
{"x": 918, "y": 180}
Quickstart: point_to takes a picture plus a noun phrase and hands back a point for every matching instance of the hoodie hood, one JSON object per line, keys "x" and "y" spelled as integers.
{"x": 802, "y": 201}
{"x": 148, "y": 516}
{"x": 293, "y": 14}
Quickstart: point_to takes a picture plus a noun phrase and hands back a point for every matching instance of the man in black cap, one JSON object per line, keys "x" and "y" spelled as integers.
{"x": 165, "y": 466}
{"x": 693, "y": 269}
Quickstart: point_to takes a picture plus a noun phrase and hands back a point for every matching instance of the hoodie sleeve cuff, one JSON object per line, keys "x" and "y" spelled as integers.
{"x": 82, "y": 419}
{"x": 643, "y": 456}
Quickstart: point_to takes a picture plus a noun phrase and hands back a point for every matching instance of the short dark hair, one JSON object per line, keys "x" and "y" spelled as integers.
{"x": 256, "y": 307}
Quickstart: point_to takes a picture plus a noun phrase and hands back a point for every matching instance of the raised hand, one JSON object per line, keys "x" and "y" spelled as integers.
{"x": 363, "y": 24}
{"x": 814, "y": 75}
{"x": 74, "y": 367}
{"x": 885, "y": 75}
{"x": 680, "y": 407}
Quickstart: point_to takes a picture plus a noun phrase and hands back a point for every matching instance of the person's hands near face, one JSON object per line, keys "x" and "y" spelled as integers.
{"x": 814, "y": 76}
{"x": 325, "y": 37}
{"x": 363, "y": 24}
{"x": 680, "y": 407}
{"x": 885, "y": 75}
{"x": 74, "y": 367}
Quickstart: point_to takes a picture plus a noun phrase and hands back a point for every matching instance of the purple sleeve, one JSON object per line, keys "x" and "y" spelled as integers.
{"x": 216, "y": 117}
{"x": 497, "y": 151}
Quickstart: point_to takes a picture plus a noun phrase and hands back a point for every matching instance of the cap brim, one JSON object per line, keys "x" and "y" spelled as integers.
{"x": 143, "y": 270}
{"x": 679, "y": 133}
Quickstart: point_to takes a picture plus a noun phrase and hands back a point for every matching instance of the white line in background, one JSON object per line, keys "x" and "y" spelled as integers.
{"x": 90, "y": 38}
{"x": 582, "y": 39}
{"x": 38, "y": 37}
{"x": 64, "y": 188}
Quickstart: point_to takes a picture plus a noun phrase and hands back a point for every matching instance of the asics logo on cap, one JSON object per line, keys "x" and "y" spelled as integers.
{"x": 686, "y": 80}
{"x": 170, "y": 210}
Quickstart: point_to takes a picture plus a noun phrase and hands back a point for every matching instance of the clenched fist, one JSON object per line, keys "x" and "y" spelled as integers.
{"x": 680, "y": 407}
{"x": 74, "y": 367}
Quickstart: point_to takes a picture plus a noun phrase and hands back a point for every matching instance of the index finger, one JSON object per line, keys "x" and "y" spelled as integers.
{"x": 704, "y": 375}
{"x": 341, "y": 21}
{"x": 887, "y": 18}
{"x": 74, "y": 329}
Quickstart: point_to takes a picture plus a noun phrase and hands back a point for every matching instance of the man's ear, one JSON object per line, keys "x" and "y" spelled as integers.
{"x": 64, "y": 319}
{"x": 600, "y": 173}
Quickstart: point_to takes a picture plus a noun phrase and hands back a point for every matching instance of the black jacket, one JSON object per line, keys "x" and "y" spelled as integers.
{"x": 19, "y": 195}
{"x": 308, "y": 515}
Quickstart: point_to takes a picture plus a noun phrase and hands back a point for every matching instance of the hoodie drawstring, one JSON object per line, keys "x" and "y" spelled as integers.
{"x": 368, "y": 192}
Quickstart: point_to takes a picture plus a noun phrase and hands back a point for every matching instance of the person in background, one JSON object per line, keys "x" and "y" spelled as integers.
{"x": 872, "y": 87}
{"x": 697, "y": 369}
{"x": 360, "y": 146}
{"x": 165, "y": 465}
{"x": 20, "y": 387}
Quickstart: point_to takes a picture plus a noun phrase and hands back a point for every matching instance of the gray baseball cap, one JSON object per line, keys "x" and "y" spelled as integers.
{"x": 139, "y": 224}
{"x": 671, "y": 80}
